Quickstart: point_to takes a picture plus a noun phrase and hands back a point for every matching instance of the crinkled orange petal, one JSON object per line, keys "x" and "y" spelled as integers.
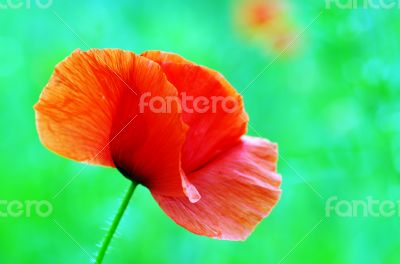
{"x": 89, "y": 112}
{"x": 239, "y": 188}
{"x": 210, "y": 132}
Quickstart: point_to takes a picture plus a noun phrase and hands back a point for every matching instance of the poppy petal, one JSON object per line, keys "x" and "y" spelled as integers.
{"x": 211, "y": 107}
{"x": 239, "y": 188}
{"x": 89, "y": 111}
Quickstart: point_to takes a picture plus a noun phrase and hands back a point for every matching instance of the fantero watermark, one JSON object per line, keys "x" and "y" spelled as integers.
{"x": 368, "y": 207}
{"x": 25, "y": 208}
{"x": 25, "y": 4}
{"x": 188, "y": 103}
{"x": 362, "y": 4}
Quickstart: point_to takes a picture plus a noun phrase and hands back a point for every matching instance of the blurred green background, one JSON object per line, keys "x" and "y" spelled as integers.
{"x": 332, "y": 105}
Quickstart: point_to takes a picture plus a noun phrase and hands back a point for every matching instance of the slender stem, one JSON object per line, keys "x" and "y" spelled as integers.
{"x": 114, "y": 225}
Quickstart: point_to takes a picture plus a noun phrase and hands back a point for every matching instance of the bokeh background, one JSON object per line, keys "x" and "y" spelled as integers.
{"x": 331, "y": 101}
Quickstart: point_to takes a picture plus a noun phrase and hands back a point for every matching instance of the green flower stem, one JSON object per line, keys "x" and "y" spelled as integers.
{"x": 114, "y": 225}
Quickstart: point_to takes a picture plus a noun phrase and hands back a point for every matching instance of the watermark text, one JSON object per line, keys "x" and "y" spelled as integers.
{"x": 26, "y": 208}
{"x": 25, "y": 4}
{"x": 362, "y": 4}
{"x": 368, "y": 207}
{"x": 188, "y": 104}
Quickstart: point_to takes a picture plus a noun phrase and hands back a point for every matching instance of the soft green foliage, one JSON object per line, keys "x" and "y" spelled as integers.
{"x": 332, "y": 105}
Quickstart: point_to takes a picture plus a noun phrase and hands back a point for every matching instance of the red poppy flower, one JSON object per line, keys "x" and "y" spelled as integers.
{"x": 201, "y": 169}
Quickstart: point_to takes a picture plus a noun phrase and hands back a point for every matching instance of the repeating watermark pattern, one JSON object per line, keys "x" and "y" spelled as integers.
{"x": 362, "y": 4}
{"x": 25, "y": 208}
{"x": 188, "y": 104}
{"x": 25, "y": 4}
{"x": 368, "y": 207}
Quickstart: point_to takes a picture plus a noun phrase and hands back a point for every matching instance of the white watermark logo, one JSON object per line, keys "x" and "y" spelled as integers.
{"x": 362, "y": 4}
{"x": 188, "y": 104}
{"x": 25, "y": 4}
{"x": 368, "y": 207}
{"x": 27, "y": 208}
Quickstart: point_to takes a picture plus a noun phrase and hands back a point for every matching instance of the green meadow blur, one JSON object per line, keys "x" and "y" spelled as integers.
{"x": 332, "y": 104}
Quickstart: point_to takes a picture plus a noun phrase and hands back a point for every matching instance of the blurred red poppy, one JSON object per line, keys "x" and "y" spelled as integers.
{"x": 201, "y": 169}
{"x": 268, "y": 22}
